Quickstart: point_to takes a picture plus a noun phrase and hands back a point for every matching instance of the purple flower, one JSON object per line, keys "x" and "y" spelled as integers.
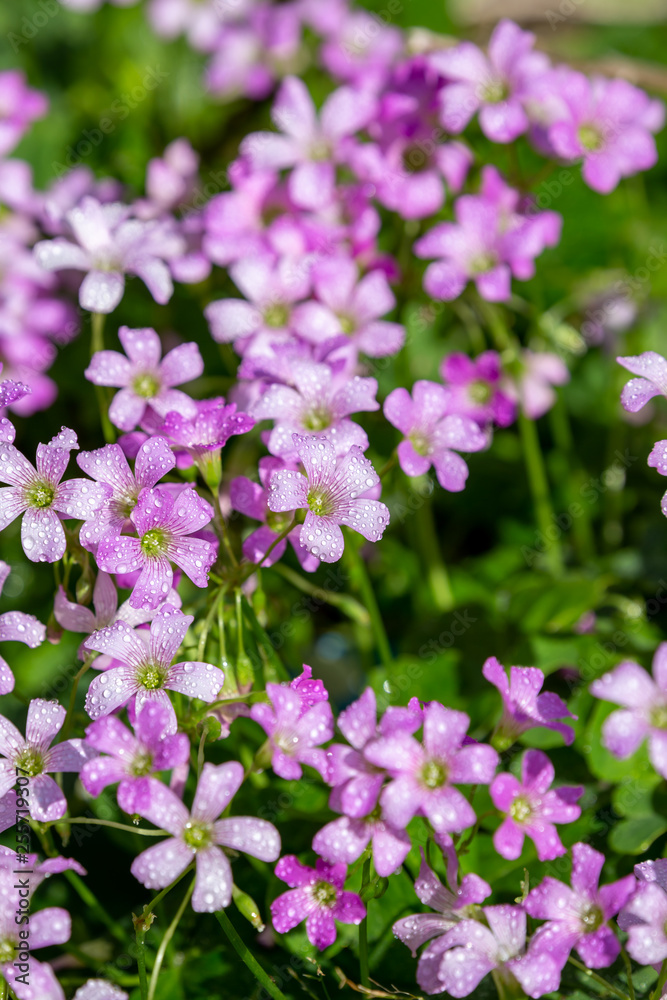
{"x": 424, "y": 774}
{"x": 346, "y": 838}
{"x": 296, "y": 727}
{"x": 351, "y": 306}
{"x": 145, "y": 380}
{"x": 523, "y": 706}
{"x": 533, "y": 388}
{"x": 431, "y": 433}
{"x": 11, "y": 392}
{"x": 334, "y": 492}
{"x": 109, "y": 244}
{"x": 251, "y": 499}
{"x": 644, "y": 917}
{"x": 198, "y": 836}
{"x": 165, "y": 527}
{"x": 470, "y": 950}
{"x": 108, "y": 465}
{"x": 578, "y": 917}
{"x": 40, "y": 496}
{"x": 99, "y": 989}
{"x": 147, "y": 672}
{"x": 309, "y": 146}
{"x": 16, "y": 626}
{"x": 644, "y": 712}
{"x": 34, "y": 757}
{"x": 317, "y": 896}
{"x": 50, "y": 926}
{"x": 19, "y": 106}
{"x": 608, "y": 123}
{"x": 497, "y": 85}
{"x": 450, "y": 906}
{"x": 153, "y": 748}
{"x": 319, "y": 405}
{"x": 658, "y": 460}
{"x": 652, "y": 381}
{"x": 531, "y": 809}
{"x": 473, "y": 388}
{"x": 492, "y": 239}
{"x": 209, "y": 430}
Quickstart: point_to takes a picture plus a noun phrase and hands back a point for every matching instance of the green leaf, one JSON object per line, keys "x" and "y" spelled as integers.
{"x": 634, "y": 836}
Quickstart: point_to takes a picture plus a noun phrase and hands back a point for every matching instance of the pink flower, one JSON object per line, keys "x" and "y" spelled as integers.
{"x": 108, "y": 465}
{"x": 40, "y": 496}
{"x": 473, "y": 388}
{"x": 153, "y": 748}
{"x": 652, "y": 381}
{"x": 644, "y": 712}
{"x": 146, "y": 672}
{"x": 33, "y": 757}
{"x": 317, "y": 896}
{"x": 19, "y": 106}
{"x": 432, "y": 433}
{"x": 166, "y": 526}
{"x": 523, "y": 705}
{"x": 198, "y": 836}
{"x": 319, "y": 405}
{"x": 497, "y": 84}
{"x": 533, "y": 389}
{"x": 531, "y": 809}
{"x": 16, "y": 626}
{"x": 644, "y": 917}
{"x": 309, "y": 146}
{"x": 145, "y": 380}
{"x": 578, "y": 917}
{"x": 296, "y": 727}
{"x": 333, "y": 492}
{"x": 424, "y": 774}
{"x": 109, "y": 245}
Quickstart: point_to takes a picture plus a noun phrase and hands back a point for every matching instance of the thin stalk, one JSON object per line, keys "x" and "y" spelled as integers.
{"x": 93, "y": 904}
{"x": 598, "y": 979}
{"x": 363, "y": 930}
{"x": 628, "y": 970}
{"x": 140, "y": 936}
{"x": 220, "y": 521}
{"x": 662, "y": 981}
{"x": 201, "y": 646}
{"x": 92, "y": 821}
{"x": 436, "y": 570}
{"x": 97, "y": 344}
{"x": 348, "y": 605}
{"x": 279, "y": 538}
{"x": 247, "y": 957}
{"x": 149, "y": 907}
{"x": 359, "y": 570}
{"x": 168, "y": 935}
{"x": 539, "y": 487}
{"x": 69, "y": 718}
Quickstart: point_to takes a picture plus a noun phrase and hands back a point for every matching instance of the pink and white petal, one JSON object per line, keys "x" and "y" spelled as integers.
{"x": 315, "y": 322}
{"x": 380, "y": 338}
{"x": 358, "y": 721}
{"x": 504, "y": 789}
{"x": 156, "y": 276}
{"x": 311, "y": 184}
{"x": 110, "y": 690}
{"x": 293, "y": 111}
{"x": 322, "y": 537}
{"x": 217, "y": 786}
{"x": 50, "y": 926}
{"x": 44, "y": 722}
{"x": 372, "y": 298}
{"x": 444, "y": 280}
{"x": 11, "y": 740}
{"x": 287, "y": 491}
{"x": 213, "y": 881}
{"x": 70, "y": 756}
{"x": 182, "y": 364}
{"x": 176, "y": 400}
{"x": 60, "y": 254}
{"x": 161, "y": 864}
{"x": 247, "y": 497}
{"x": 461, "y": 970}
{"x": 154, "y": 583}
{"x": 401, "y": 800}
{"x": 537, "y": 771}
{"x": 194, "y": 556}
{"x": 101, "y": 291}
{"x": 615, "y": 895}
{"x": 12, "y": 504}
{"x": 451, "y": 470}
{"x": 459, "y": 432}
{"x": 504, "y": 121}
{"x": 97, "y": 774}
{"x": 51, "y": 462}
{"x": 121, "y": 642}
{"x": 444, "y": 730}
{"x": 508, "y": 839}
{"x": 154, "y": 460}
{"x": 599, "y": 949}
{"x": 343, "y": 840}
{"x": 587, "y": 865}
{"x": 390, "y": 849}
{"x": 624, "y": 731}
{"x": 196, "y": 680}
{"x": 105, "y": 598}
{"x": 41, "y": 985}
{"x": 457, "y": 106}
{"x": 547, "y": 842}
{"x": 495, "y": 285}
{"x": 231, "y": 319}
{"x": 259, "y": 542}
{"x": 168, "y": 630}
{"x": 249, "y": 835}
{"x": 189, "y": 513}
{"x": 552, "y": 897}
{"x": 126, "y": 410}
{"x": 109, "y": 368}
{"x": 21, "y": 627}
{"x": 321, "y": 928}
{"x": 163, "y": 808}
{"x": 268, "y": 151}
{"x": 6, "y": 676}
{"x": 657, "y": 751}
{"x": 81, "y": 498}
{"x": 660, "y": 666}
{"x": 289, "y": 909}
{"x": 346, "y": 111}
{"x": 47, "y": 801}
{"x": 42, "y": 535}
{"x": 448, "y": 810}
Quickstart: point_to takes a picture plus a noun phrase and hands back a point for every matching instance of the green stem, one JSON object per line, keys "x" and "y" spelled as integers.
{"x": 539, "y": 487}
{"x": 363, "y": 930}
{"x": 201, "y": 646}
{"x": 598, "y": 979}
{"x": 97, "y": 344}
{"x": 92, "y": 903}
{"x": 149, "y": 907}
{"x": 436, "y": 570}
{"x": 359, "y": 571}
{"x": 69, "y": 718}
{"x": 662, "y": 981}
{"x": 140, "y": 935}
{"x": 169, "y": 933}
{"x": 628, "y": 970}
{"x": 92, "y": 821}
{"x": 348, "y": 605}
{"x": 219, "y": 520}
{"x": 279, "y": 538}
{"x": 247, "y": 957}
